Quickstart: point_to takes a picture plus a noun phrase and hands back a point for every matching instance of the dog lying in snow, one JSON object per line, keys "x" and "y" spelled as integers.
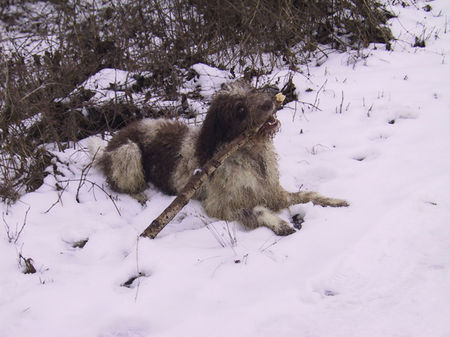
{"x": 244, "y": 188}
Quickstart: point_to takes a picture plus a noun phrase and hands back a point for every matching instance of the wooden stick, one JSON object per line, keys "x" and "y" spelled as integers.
{"x": 199, "y": 177}
{"x": 194, "y": 184}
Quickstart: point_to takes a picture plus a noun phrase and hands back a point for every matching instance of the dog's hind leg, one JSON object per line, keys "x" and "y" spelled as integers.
{"x": 304, "y": 197}
{"x": 124, "y": 170}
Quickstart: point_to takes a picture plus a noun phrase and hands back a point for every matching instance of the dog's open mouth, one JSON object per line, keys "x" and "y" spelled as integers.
{"x": 272, "y": 122}
{"x": 271, "y": 126}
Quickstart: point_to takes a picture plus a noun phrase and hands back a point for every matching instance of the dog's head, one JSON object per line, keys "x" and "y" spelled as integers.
{"x": 234, "y": 109}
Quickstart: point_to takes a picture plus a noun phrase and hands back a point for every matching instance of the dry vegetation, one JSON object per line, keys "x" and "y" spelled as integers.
{"x": 48, "y": 48}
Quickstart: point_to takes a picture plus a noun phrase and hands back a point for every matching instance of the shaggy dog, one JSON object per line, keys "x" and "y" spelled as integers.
{"x": 244, "y": 188}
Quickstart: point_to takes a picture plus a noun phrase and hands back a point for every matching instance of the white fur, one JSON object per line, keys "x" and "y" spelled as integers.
{"x": 127, "y": 170}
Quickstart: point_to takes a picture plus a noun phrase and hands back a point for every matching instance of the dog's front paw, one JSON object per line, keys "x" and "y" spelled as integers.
{"x": 141, "y": 198}
{"x": 283, "y": 229}
{"x": 267, "y": 218}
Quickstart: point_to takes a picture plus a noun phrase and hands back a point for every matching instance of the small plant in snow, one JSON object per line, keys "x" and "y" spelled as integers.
{"x": 26, "y": 264}
{"x": 225, "y": 234}
{"x": 13, "y": 235}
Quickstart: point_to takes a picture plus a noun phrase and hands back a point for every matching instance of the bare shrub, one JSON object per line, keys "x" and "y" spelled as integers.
{"x": 48, "y": 48}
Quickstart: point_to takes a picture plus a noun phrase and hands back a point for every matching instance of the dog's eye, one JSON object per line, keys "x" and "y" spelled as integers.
{"x": 241, "y": 112}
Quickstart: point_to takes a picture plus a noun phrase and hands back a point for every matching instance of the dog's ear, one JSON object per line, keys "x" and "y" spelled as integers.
{"x": 238, "y": 87}
{"x": 224, "y": 121}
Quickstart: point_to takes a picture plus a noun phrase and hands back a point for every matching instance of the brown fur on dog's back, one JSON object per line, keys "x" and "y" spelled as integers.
{"x": 245, "y": 187}
{"x": 161, "y": 156}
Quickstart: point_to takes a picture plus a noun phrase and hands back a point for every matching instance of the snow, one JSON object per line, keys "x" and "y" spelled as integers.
{"x": 210, "y": 78}
{"x": 105, "y": 83}
{"x": 378, "y": 135}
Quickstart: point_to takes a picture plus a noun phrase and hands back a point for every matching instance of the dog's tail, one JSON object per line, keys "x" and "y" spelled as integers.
{"x": 96, "y": 148}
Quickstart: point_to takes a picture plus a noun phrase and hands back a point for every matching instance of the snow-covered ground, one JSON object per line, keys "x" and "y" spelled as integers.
{"x": 378, "y": 136}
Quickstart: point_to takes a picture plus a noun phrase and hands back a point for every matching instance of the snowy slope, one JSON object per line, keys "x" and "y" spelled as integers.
{"x": 378, "y": 135}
